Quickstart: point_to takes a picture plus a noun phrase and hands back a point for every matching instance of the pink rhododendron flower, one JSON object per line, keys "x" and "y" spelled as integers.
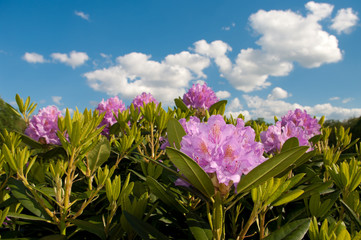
{"x": 224, "y": 149}
{"x": 143, "y": 99}
{"x": 294, "y": 124}
{"x": 44, "y": 125}
{"x": 110, "y": 107}
{"x": 200, "y": 96}
{"x": 304, "y": 120}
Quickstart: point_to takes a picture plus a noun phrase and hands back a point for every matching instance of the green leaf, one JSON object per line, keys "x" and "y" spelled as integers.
{"x": 290, "y": 143}
{"x": 30, "y": 142}
{"x": 20, "y": 103}
{"x": 315, "y": 188}
{"x": 99, "y": 154}
{"x": 164, "y": 195}
{"x": 199, "y": 228}
{"x": 218, "y": 107}
{"x": 180, "y": 104}
{"x": 270, "y": 168}
{"x": 95, "y": 228}
{"x": 352, "y": 215}
{"x": 288, "y": 197}
{"x": 26, "y": 199}
{"x": 25, "y": 216}
{"x": 142, "y": 228}
{"x": 293, "y": 231}
{"x": 192, "y": 171}
{"x": 175, "y": 133}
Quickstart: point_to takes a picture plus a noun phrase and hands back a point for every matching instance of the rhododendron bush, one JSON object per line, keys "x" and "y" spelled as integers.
{"x": 187, "y": 172}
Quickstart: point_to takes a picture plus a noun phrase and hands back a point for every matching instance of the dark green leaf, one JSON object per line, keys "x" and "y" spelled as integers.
{"x": 99, "y": 154}
{"x": 142, "y": 228}
{"x": 164, "y": 195}
{"x": 352, "y": 215}
{"x": 25, "y": 216}
{"x": 199, "y": 228}
{"x": 218, "y": 107}
{"x": 270, "y": 168}
{"x": 292, "y": 231}
{"x": 175, "y": 133}
{"x": 180, "y": 104}
{"x": 290, "y": 143}
{"x": 97, "y": 229}
{"x": 30, "y": 142}
{"x": 315, "y": 188}
{"x": 8, "y": 202}
{"x": 192, "y": 171}
{"x": 27, "y": 200}
{"x": 315, "y": 139}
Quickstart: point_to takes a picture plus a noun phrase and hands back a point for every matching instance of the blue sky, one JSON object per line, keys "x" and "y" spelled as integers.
{"x": 264, "y": 57}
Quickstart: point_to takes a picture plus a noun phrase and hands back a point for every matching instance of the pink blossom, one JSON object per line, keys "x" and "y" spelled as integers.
{"x": 200, "y": 96}
{"x": 143, "y": 99}
{"x": 227, "y": 150}
{"x": 110, "y": 107}
{"x": 44, "y": 125}
{"x": 297, "y": 124}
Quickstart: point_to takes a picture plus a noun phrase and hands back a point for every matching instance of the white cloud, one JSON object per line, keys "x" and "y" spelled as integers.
{"x": 82, "y": 15}
{"x": 227, "y": 28}
{"x": 74, "y": 59}
{"x": 346, "y": 100}
{"x": 234, "y": 108}
{"x": 223, "y": 94}
{"x": 57, "y": 99}
{"x": 33, "y": 57}
{"x": 268, "y": 108}
{"x": 285, "y": 37}
{"x": 136, "y": 73}
{"x": 344, "y": 20}
{"x": 334, "y": 98}
{"x": 319, "y": 10}
{"x": 278, "y": 93}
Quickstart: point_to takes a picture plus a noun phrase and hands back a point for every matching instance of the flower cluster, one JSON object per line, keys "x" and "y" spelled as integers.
{"x": 297, "y": 124}
{"x": 143, "y": 99}
{"x": 110, "y": 107}
{"x": 44, "y": 125}
{"x": 200, "y": 96}
{"x": 224, "y": 149}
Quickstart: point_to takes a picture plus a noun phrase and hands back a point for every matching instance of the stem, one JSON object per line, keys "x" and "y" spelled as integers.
{"x": 68, "y": 186}
{"x": 262, "y": 224}
{"x": 39, "y": 200}
{"x": 152, "y": 139}
{"x": 250, "y": 221}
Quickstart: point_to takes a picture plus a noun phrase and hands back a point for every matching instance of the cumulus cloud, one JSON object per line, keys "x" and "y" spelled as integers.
{"x": 278, "y": 93}
{"x": 346, "y": 100}
{"x": 268, "y": 108}
{"x": 82, "y": 15}
{"x": 57, "y": 99}
{"x": 33, "y": 57}
{"x": 235, "y": 107}
{"x": 286, "y": 37}
{"x": 136, "y": 72}
{"x": 344, "y": 21}
{"x": 223, "y": 94}
{"x": 73, "y": 59}
{"x": 334, "y": 98}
